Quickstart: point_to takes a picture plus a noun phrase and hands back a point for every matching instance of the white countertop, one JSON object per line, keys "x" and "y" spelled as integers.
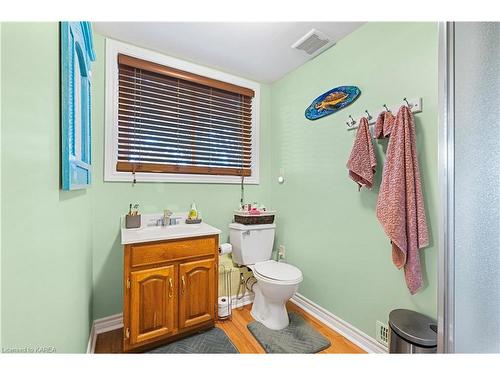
{"x": 148, "y": 232}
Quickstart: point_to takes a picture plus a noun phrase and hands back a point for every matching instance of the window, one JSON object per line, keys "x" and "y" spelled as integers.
{"x": 172, "y": 124}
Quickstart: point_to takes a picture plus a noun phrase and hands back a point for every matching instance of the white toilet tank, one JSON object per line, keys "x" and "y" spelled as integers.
{"x": 251, "y": 243}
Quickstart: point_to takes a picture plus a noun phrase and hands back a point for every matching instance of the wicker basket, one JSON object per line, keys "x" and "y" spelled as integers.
{"x": 247, "y": 219}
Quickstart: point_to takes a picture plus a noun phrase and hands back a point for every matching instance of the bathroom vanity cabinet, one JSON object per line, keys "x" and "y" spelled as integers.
{"x": 170, "y": 290}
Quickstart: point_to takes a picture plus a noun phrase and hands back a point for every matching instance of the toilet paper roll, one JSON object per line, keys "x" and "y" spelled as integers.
{"x": 225, "y": 248}
{"x": 224, "y": 308}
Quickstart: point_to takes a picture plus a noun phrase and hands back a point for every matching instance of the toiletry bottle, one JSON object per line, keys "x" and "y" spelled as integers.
{"x": 193, "y": 213}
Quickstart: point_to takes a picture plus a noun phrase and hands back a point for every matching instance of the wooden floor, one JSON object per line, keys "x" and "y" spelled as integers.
{"x": 236, "y": 330}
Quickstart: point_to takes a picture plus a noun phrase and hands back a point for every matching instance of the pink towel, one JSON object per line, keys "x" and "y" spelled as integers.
{"x": 362, "y": 161}
{"x": 383, "y": 126}
{"x": 400, "y": 205}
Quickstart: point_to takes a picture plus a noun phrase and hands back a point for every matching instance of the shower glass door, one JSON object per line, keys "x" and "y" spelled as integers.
{"x": 473, "y": 221}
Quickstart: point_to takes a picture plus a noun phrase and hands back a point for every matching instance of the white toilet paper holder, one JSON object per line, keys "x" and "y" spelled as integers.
{"x": 224, "y": 302}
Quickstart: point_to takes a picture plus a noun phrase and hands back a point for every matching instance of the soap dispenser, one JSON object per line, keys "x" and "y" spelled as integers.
{"x": 193, "y": 212}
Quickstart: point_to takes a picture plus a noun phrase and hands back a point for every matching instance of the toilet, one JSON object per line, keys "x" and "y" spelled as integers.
{"x": 276, "y": 281}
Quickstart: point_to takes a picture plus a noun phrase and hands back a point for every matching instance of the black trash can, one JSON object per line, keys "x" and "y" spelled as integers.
{"x": 411, "y": 332}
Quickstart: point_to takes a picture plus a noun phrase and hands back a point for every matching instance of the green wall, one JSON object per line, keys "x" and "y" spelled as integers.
{"x": 111, "y": 199}
{"x": 46, "y": 234}
{"x": 329, "y": 228}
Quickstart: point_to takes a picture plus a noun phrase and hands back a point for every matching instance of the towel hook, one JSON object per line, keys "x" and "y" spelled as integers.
{"x": 353, "y": 122}
{"x": 409, "y": 105}
{"x": 387, "y": 109}
{"x": 369, "y": 116}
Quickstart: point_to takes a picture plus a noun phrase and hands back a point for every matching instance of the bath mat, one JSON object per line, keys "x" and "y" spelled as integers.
{"x": 298, "y": 337}
{"x": 213, "y": 341}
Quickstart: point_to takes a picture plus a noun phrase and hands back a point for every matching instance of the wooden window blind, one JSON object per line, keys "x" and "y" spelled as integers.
{"x": 172, "y": 121}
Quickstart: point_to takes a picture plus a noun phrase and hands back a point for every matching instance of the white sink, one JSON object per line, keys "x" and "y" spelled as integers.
{"x": 148, "y": 233}
{"x": 177, "y": 227}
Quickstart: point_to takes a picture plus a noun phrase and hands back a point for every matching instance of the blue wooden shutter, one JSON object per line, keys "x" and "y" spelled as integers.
{"x": 77, "y": 54}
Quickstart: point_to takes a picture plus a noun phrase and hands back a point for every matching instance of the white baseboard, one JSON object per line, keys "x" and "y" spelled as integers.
{"x": 92, "y": 338}
{"x": 245, "y": 300}
{"x": 347, "y": 330}
{"x": 106, "y": 324}
{"x": 112, "y": 322}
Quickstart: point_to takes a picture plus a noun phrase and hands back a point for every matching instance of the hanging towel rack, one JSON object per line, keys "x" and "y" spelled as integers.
{"x": 415, "y": 104}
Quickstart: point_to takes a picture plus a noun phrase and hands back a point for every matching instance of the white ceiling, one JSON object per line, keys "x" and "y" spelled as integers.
{"x": 257, "y": 51}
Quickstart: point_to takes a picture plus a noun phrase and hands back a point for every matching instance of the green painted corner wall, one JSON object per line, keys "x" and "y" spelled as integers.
{"x": 329, "y": 228}
{"x": 111, "y": 199}
{"x": 46, "y": 233}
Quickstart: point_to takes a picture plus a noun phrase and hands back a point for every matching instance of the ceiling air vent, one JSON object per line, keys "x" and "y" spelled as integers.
{"x": 314, "y": 42}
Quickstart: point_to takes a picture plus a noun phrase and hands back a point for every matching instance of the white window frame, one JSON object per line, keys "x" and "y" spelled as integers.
{"x": 113, "y": 48}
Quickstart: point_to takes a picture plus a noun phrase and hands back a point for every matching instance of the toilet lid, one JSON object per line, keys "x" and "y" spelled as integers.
{"x": 278, "y": 271}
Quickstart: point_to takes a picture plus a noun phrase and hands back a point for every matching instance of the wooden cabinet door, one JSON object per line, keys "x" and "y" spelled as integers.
{"x": 197, "y": 292}
{"x": 152, "y": 303}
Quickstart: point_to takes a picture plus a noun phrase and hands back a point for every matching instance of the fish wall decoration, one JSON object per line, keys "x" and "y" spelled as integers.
{"x": 332, "y": 101}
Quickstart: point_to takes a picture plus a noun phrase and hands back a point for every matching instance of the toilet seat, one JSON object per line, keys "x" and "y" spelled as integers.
{"x": 277, "y": 272}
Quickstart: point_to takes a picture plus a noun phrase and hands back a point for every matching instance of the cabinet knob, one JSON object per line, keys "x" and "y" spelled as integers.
{"x": 171, "y": 290}
{"x": 183, "y": 285}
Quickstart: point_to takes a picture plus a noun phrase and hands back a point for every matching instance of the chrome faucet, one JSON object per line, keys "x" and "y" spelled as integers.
{"x": 166, "y": 218}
